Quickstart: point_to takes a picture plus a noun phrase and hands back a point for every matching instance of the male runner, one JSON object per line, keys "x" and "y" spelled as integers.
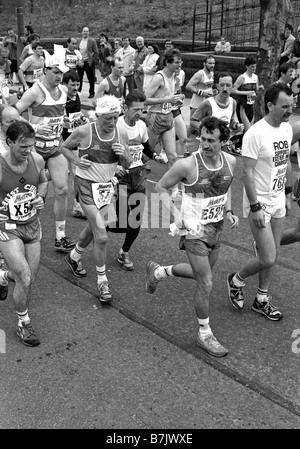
{"x": 132, "y": 182}
{"x": 206, "y": 177}
{"x": 23, "y": 187}
{"x": 266, "y": 149}
{"x": 100, "y": 148}
{"x": 45, "y": 102}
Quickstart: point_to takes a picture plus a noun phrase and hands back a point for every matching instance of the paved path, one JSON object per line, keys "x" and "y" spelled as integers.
{"x": 135, "y": 364}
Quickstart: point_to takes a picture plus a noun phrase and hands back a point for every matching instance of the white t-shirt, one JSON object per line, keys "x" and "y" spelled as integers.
{"x": 270, "y": 146}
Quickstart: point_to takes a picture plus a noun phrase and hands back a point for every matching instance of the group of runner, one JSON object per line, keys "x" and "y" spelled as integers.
{"x": 109, "y": 158}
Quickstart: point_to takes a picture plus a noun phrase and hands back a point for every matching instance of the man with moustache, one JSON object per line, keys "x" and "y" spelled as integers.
{"x": 266, "y": 149}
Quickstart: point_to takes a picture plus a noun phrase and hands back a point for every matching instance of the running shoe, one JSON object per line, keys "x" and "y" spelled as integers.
{"x": 27, "y": 335}
{"x": 76, "y": 267}
{"x": 267, "y": 308}
{"x": 64, "y": 245}
{"x": 125, "y": 261}
{"x": 236, "y": 295}
{"x": 3, "y": 292}
{"x": 105, "y": 295}
{"x": 151, "y": 282}
{"x": 211, "y": 345}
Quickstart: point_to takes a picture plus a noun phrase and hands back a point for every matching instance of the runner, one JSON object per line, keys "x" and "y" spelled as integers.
{"x": 266, "y": 149}
{"x": 132, "y": 182}
{"x": 45, "y": 102}
{"x": 101, "y": 147}
{"x": 206, "y": 177}
{"x": 74, "y": 118}
{"x": 23, "y": 187}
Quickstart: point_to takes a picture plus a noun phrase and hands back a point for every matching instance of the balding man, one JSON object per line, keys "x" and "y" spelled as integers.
{"x": 90, "y": 53}
{"x": 140, "y": 54}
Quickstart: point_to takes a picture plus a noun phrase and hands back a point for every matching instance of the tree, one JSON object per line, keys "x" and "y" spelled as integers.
{"x": 273, "y": 17}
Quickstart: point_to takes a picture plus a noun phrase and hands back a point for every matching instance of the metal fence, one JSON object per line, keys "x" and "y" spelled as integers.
{"x": 237, "y": 20}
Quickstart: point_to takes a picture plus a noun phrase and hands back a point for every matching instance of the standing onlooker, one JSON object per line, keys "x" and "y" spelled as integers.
{"x": 118, "y": 50}
{"x": 32, "y": 69}
{"x": 10, "y": 41}
{"x": 150, "y": 64}
{"x": 287, "y": 50}
{"x": 168, "y": 44}
{"x": 296, "y": 52}
{"x": 140, "y": 54}
{"x": 73, "y": 58}
{"x": 89, "y": 52}
{"x": 28, "y": 31}
{"x": 104, "y": 55}
{"x": 222, "y": 46}
{"x": 128, "y": 55}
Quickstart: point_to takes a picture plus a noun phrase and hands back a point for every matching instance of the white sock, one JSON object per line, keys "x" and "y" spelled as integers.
{"x": 76, "y": 253}
{"x": 101, "y": 275}
{"x": 237, "y": 281}
{"x": 163, "y": 272}
{"x": 60, "y": 227}
{"x": 3, "y": 277}
{"x": 23, "y": 318}
{"x": 204, "y": 327}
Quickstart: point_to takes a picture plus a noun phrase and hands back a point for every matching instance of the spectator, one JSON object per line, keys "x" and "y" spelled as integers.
{"x": 296, "y": 52}
{"x": 10, "y": 41}
{"x": 27, "y": 51}
{"x": 128, "y": 56}
{"x": 89, "y": 52}
{"x": 73, "y": 56}
{"x": 105, "y": 53}
{"x": 28, "y": 31}
{"x": 140, "y": 54}
{"x": 150, "y": 64}
{"x": 222, "y": 46}
{"x": 118, "y": 50}
{"x": 287, "y": 50}
{"x": 168, "y": 44}
{"x": 286, "y": 73}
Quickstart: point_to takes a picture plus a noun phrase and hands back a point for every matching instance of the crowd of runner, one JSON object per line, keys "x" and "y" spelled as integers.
{"x": 137, "y": 117}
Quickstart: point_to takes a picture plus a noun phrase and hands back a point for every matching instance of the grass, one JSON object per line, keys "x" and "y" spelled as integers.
{"x": 116, "y": 18}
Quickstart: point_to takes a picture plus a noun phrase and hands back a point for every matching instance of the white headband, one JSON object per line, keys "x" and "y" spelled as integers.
{"x": 108, "y": 109}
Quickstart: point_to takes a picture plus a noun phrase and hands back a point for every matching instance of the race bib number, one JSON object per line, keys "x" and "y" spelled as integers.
{"x": 71, "y": 61}
{"x": 136, "y": 152}
{"x": 278, "y": 179}
{"x": 56, "y": 124}
{"x": 102, "y": 193}
{"x": 213, "y": 209}
{"x": 37, "y": 74}
{"x": 75, "y": 119}
{"x": 20, "y": 207}
{"x": 166, "y": 108}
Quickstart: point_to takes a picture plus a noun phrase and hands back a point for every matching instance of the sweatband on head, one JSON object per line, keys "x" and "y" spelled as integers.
{"x": 108, "y": 109}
